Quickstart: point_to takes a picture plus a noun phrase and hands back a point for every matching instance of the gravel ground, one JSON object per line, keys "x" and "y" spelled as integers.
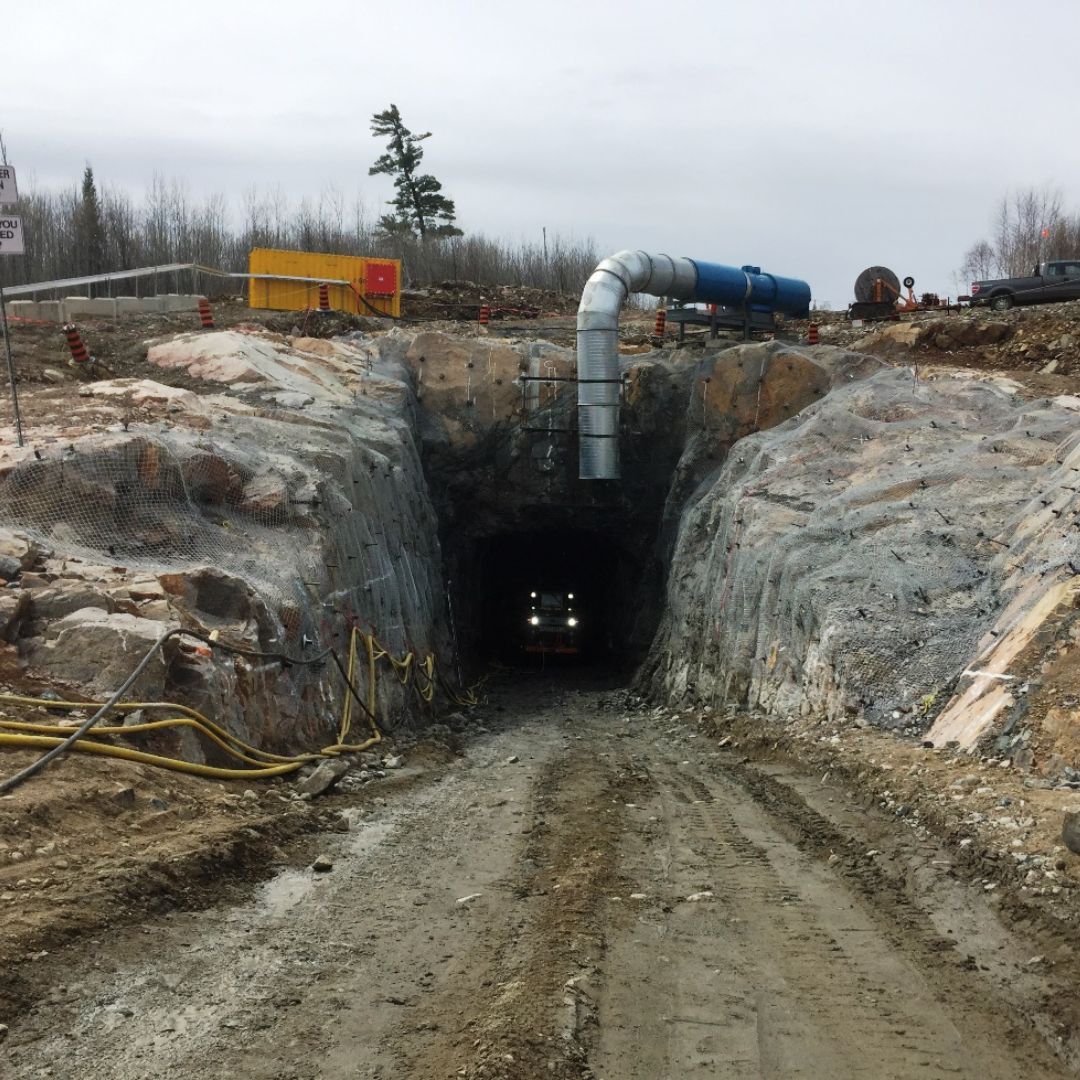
{"x": 586, "y": 892}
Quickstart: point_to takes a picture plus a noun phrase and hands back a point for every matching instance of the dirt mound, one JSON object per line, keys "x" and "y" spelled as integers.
{"x": 461, "y": 300}
{"x": 1043, "y": 338}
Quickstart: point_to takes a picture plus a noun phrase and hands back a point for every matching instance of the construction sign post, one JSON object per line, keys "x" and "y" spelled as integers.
{"x": 11, "y": 243}
{"x": 11, "y": 235}
{"x": 9, "y": 191}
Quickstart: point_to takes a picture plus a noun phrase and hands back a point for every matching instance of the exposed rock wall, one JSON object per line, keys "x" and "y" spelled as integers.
{"x": 280, "y": 510}
{"x": 856, "y": 559}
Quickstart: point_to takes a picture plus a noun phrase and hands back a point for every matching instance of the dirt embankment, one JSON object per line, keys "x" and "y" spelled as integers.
{"x": 1040, "y": 339}
{"x": 88, "y": 845}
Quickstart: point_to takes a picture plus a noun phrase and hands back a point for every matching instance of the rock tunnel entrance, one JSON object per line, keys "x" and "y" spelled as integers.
{"x": 553, "y": 597}
{"x": 500, "y": 450}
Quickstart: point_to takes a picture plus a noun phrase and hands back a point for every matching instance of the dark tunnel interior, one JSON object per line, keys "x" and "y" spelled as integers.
{"x": 591, "y": 574}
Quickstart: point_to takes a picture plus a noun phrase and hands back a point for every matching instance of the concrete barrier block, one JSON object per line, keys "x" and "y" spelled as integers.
{"x": 51, "y": 310}
{"x": 23, "y": 309}
{"x": 152, "y": 305}
{"x": 129, "y": 305}
{"x": 181, "y": 302}
{"x": 75, "y": 306}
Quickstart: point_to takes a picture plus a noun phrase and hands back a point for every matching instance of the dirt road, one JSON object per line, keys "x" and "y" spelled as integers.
{"x": 582, "y": 894}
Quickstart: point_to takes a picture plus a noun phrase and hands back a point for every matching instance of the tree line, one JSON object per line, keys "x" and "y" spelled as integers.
{"x": 1029, "y": 226}
{"x": 85, "y": 229}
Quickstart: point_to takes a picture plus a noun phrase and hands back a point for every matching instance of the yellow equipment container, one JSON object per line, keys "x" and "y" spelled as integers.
{"x": 373, "y": 283}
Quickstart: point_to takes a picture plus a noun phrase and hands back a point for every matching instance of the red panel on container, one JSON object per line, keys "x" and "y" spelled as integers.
{"x": 381, "y": 279}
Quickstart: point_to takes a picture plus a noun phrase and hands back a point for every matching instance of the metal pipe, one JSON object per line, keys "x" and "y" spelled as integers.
{"x": 602, "y": 299}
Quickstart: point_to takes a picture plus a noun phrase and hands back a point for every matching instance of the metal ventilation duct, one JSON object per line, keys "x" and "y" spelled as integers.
{"x": 605, "y": 292}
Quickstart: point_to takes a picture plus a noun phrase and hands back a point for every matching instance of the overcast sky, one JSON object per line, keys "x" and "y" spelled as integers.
{"x": 812, "y": 138}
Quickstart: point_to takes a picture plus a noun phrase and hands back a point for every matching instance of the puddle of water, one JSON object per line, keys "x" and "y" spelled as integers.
{"x": 282, "y": 893}
{"x": 369, "y": 836}
{"x": 277, "y": 897}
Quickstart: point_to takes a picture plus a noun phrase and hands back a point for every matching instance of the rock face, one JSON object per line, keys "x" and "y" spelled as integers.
{"x": 1070, "y": 832}
{"x": 276, "y": 525}
{"x": 944, "y": 334}
{"x": 845, "y": 538}
{"x": 856, "y": 559}
{"x": 97, "y": 650}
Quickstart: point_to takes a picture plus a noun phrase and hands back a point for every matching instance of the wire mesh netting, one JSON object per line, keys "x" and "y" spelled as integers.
{"x": 850, "y": 560}
{"x": 314, "y": 518}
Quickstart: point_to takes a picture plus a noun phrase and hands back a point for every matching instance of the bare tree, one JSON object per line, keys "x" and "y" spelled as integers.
{"x": 980, "y": 262}
{"x": 1029, "y": 226}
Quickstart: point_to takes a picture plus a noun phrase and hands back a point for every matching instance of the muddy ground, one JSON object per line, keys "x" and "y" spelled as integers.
{"x": 589, "y": 888}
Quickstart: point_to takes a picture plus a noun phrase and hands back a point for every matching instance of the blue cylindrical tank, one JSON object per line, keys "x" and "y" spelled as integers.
{"x": 748, "y": 286}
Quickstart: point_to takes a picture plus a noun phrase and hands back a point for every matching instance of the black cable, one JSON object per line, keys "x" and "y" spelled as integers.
{"x": 258, "y": 654}
{"x": 62, "y": 748}
{"x": 371, "y": 307}
{"x": 35, "y": 767}
{"x": 352, "y": 689}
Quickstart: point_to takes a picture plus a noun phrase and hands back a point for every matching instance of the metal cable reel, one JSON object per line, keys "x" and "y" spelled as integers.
{"x": 876, "y": 285}
{"x": 877, "y": 294}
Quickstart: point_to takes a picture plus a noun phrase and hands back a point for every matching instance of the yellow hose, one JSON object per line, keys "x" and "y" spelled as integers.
{"x": 265, "y": 764}
{"x": 346, "y": 711}
{"x": 132, "y": 706}
{"x": 154, "y": 725}
{"x": 88, "y": 746}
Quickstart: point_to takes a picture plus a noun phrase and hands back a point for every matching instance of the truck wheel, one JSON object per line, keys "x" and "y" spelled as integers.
{"x": 1001, "y": 302}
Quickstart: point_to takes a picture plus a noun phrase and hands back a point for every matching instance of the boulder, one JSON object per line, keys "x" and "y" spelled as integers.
{"x": 98, "y": 649}
{"x": 64, "y": 597}
{"x": 1070, "y": 832}
{"x": 265, "y": 495}
{"x": 14, "y": 604}
{"x": 19, "y": 546}
{"x": 325, "y": 776}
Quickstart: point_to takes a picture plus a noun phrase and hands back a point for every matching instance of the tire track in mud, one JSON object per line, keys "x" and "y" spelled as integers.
{"x": 534, "y": 1014}
{"x": 575, "y": 900}
{"x": 780, "y": 972}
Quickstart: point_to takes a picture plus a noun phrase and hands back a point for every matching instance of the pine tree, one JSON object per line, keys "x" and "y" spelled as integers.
{"x": 420, "y": 208}
{"x": 90, "y": 232}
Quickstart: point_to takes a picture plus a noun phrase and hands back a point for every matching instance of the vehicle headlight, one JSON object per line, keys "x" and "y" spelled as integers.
{"x": 532, "y": 595}
{"x": 535, "y": 620}
{"x": 571, "y": 621}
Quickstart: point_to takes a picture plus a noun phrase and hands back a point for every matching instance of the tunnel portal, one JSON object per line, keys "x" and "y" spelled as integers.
{"x": 580, "y": 575}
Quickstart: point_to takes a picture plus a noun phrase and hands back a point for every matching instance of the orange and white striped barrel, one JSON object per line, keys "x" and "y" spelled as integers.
{"x": 485, "y": 314}
{"x": 812, "y": 335}
{"x": 79, "y": 355}
{"x": 206, "y": 315}
{"x": 324, "y": 297}
{"x": 661, "y": 323}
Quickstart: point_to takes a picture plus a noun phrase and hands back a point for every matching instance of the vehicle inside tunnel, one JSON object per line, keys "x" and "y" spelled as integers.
{"x": 550, "y": 598}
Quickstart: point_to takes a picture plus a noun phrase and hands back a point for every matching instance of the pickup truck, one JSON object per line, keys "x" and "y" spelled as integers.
{"x": 1049, "y": 283}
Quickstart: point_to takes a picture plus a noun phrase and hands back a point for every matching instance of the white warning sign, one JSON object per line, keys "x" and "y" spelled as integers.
{"x": 9, "y": 192}
{"x": 11, "y": 235}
